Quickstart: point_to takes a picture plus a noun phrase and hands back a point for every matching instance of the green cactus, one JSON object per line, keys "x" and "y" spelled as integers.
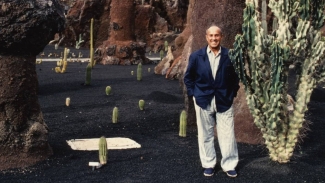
{"x": 62, "y": 65}
{"x": 88, "y": 74}
{"x": 78, "y": 43}
{"x": 139, "y": 72}
{"x": 182, "y": 124}
{"x": 108, "y": 90}
{"x": 141, "y": 105}
{"x": 166, "y": 46}
{"x": 149, "y": 69}
{"x": 102, "y": 149}
{"x": 92, "y": 62}
{"x": 132, "y": 73}
{"x": 261, "y": 60}
{"x": 161, "y": 54}
{"x": 115, "y": 115}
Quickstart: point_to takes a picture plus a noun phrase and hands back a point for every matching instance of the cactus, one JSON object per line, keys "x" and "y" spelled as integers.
{"x": 102, "y": 150}
{"x": 132, "y": 73}
{"x": 182, "y": 124}
{"x": 139, "y": 72}
{"x": 115, "y": 115}
{"x": 166, "y": 46}
{"x": 141, "y": 105}
{"x": 92, "y": 63}
{"x": 67, "y": 101}
{"x": 88, "y": 74}
{"x": 62, "y": 65}
{"x": 108, "y": 90}
{"x": 149, "y": 69}
{"x": 161, "y": 54}
{"x": 261, "y": 60}
{"x": 78, "y": 43}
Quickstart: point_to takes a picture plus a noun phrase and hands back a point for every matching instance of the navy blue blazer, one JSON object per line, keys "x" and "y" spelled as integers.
{"x": 200, "y": 83}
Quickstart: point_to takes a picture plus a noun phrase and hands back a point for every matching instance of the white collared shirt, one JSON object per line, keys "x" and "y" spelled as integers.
{"x": 214, "y": 61}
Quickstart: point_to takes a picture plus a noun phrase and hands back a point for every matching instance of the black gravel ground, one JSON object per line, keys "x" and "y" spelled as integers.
{"x": 164, "y": 156}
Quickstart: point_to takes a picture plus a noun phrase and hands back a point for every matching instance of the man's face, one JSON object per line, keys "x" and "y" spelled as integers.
{"x": 214, "y": 36}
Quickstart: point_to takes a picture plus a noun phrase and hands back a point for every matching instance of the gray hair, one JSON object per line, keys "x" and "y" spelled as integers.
{"x": 212, "y": 25}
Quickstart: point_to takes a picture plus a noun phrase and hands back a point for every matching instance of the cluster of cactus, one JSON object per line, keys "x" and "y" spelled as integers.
{"x": 262, "y": 58}
{"x": 78, "y": 43}
{"x": 62, "y": 65}
{"x": 115, "y": 115}
{"x": 108, "y": 90}
{"x": 102, "y": 149}
{"x": 141, "y": 105}
{"x": 182, "y": 124}
{"x": 139, "y": 72}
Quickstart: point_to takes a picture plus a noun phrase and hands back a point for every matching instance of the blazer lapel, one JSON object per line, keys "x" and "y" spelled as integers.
{"x": 206, "y": 63}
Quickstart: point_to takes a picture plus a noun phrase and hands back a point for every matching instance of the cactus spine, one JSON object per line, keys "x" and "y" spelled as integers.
{"x": 182, "y": 124}
{"x": 108, "y": 90}
{"x": 102, "y": 149}
{"x": 139, "y": 72}
{"x": 261, "y": 60}
{"x": 141, "y": 105}
{"x": 115, "y": 115}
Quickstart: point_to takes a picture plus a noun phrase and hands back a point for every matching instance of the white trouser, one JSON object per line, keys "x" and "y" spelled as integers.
{"x": 206, "y": 119}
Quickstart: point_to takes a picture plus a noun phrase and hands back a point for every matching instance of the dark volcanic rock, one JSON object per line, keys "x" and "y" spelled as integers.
{"x": 27, "y": 26}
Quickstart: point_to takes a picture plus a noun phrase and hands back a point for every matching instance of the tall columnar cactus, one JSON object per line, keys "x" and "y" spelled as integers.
{"x": 141, "y": 105}
{"x": 115, "y": 115}
{"x": 102, "y": 149}
{"x": 262, "y": 58}
{"x": 139, "y": 72}
{"x": 91, "y": 51}
{"x": 182, "y": 124}
{"x": 88, "y": 74}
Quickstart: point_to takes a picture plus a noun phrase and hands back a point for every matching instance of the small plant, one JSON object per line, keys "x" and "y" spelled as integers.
{"x": 102, "y": 149}
{"x": 88, "y": 74}
{"x": 108, "y": 90}
{"x": 148, "y": 69}
{"x": 141, "y": 105}
{"x": 63, "y": 63}
{"x": 132, "y": 73}
{"x": 161, "y": 54}
{"x": 139, "y": 72}
{"x": 67, "y": 101}
{"x": 78, "y": 43}
{"x": 166, "y": 46}
{"x": 182, "y": 124}
{"x": 115, "y": 115}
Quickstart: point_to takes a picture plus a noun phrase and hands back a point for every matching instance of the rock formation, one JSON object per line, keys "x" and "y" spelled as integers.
{"x": 26, "y": 28}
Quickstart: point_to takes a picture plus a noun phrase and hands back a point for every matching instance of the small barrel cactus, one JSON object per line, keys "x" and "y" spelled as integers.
{"x": 115, "y": 115}
{"x": 141, "y": 105}
{"x": 108, "y": 90}
{"x": 88, "y": 74}
{"x": 139, "y": 72}
{"x": 182, "y": 124}
{"x": 67, "y": 101}
{"x": 102, "y": 149}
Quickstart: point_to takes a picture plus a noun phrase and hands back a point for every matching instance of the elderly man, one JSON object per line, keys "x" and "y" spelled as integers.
{"x": 211, "y": 81}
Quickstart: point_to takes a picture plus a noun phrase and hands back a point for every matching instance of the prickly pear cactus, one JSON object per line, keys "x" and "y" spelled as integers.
{"x": 102, "y": 150}
{"x": 262, "y": 58}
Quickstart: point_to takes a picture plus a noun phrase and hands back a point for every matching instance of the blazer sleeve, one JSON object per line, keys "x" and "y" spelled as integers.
{"x": 189, "y": 77}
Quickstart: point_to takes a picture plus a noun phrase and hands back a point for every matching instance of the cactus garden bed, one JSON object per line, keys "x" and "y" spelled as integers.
{"x": 163, "y": 156}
